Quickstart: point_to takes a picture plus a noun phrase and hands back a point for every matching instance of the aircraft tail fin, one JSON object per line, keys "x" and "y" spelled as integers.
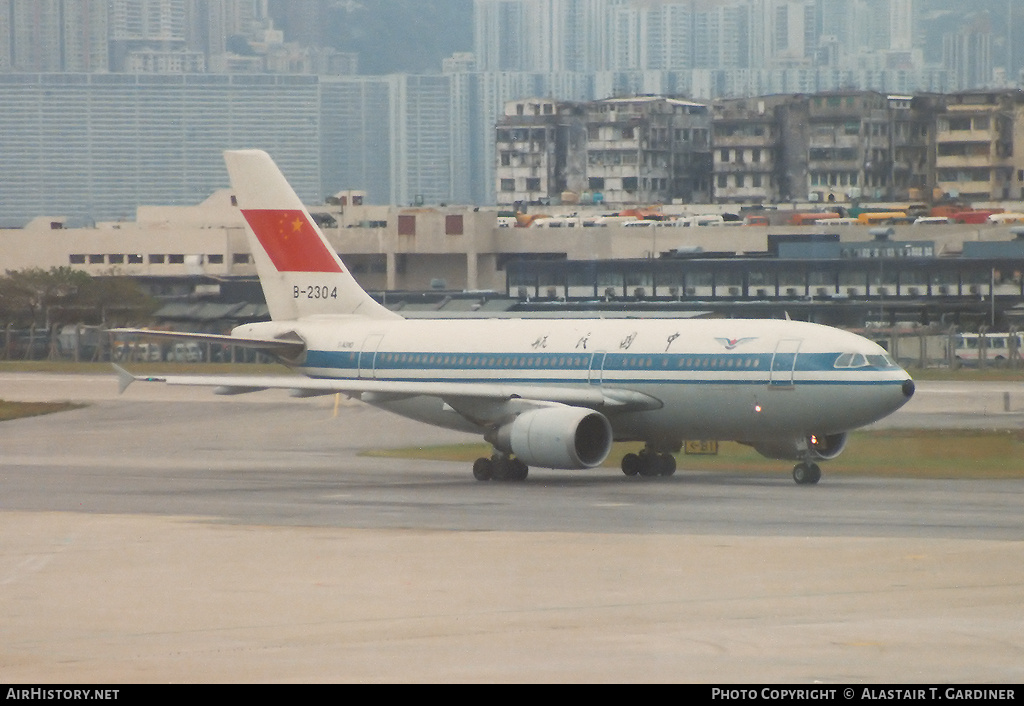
{"x": 300, "y": 273}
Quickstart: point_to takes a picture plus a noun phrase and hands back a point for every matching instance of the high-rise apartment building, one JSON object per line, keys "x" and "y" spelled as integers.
{"x": 723, "y": 36}
{"x": 684, "y": 35}
{"x": 35, "y": 42}
{"x": 421, "y": 119}
{"x": 54, "y": 35}
{"x": 213, "y": 22}
{"x": 901, "y": 25}
{"x": 148, "y": 21}
{"x": 545, "y": 35}
{"x": 356, "y": 135}
{"x": 967, "y": 54}
{"x": 145, "y": 36}
{"x": 98, "y": 145}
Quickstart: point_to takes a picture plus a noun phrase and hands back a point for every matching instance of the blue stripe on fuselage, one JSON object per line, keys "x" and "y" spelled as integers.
{"x": 391, "y": 365}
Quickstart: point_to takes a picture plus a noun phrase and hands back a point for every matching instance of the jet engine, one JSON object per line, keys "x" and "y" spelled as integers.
{"x": 821, "y": 446}
{"x": 557, "y": 437}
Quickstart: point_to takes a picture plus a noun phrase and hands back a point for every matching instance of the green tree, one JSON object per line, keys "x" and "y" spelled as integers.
{"x": 64, "y": 295}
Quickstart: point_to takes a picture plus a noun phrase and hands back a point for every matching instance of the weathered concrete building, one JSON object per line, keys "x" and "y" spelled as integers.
{"x": 748, "y": 155}
{"x": 620, "y": 151}
{"x": 979, "y": 147}
{"x": 866, "y": 145}
{"x": 649, "y": 150}
{"x": 541, "y": 147}
{"x": 826, "y": 148}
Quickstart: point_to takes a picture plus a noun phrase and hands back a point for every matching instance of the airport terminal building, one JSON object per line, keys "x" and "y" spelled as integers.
{"x": 461, "y": 261}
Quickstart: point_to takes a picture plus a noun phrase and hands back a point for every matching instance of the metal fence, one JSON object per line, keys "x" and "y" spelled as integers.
{"x": 83, "y": 343}
{"x": 921, "y": 347}
{"x": 928, "y": 347}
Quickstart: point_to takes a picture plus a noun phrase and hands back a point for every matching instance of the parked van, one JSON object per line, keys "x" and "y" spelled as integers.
{"x": 142, "y": 352}
{"x": 185, "y": 353}
{"x": 1005, "y": 218}
{"x": 609, "y": 220}
{"x": 557, "y": 222}
{"x": 707, "y": 219}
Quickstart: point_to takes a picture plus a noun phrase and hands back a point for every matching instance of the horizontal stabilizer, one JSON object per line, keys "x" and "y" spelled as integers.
{"x": 286, "y": 348}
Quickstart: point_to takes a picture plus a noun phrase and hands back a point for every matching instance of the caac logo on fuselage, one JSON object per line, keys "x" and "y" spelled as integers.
{"x": 731, "y": 343}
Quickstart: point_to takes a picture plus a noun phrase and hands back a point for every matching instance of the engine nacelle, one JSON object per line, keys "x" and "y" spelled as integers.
{"x": 557, "y": 437}
{"x": 822, "y": 446}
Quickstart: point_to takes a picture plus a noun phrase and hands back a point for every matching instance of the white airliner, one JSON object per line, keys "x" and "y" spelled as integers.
{"x": 547, "y": 393}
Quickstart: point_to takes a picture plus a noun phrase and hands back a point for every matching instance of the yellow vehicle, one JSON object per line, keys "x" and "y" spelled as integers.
{"x": 878, "y": 218}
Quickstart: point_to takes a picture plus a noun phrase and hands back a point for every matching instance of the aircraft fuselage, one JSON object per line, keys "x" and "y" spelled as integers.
{"x": 746, "y": 380}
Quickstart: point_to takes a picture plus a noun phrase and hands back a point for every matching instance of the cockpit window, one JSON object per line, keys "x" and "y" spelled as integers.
{"x": 851, "y": 360}
{"x": 882, "y": 361}
{"x": 859, "y": 360}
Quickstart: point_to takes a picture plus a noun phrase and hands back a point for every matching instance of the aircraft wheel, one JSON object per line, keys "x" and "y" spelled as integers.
{"x": 650, "y": 464}
{"x": 631, "y": 464}
{"x": 806, "y": 473}
{"x": 500, "y": 467}
{"x": 668, "y": 464}
{"x": 483, "y": 469}
{"x": 517, "y": 470}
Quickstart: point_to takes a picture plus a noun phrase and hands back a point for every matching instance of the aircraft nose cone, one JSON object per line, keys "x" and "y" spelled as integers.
{"x": 908, "y": 388}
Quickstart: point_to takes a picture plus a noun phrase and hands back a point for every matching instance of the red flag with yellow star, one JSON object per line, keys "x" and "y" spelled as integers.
{"x": 291, "y": 241}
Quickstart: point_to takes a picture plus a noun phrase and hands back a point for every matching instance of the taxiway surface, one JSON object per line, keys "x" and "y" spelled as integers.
{"x": 168, "y": 535}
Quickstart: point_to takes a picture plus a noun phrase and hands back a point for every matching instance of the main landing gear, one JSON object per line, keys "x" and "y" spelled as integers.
{"x": 806, "y": 473}
{"x": 500, "y": 467}
{"x": 649, "y": 463}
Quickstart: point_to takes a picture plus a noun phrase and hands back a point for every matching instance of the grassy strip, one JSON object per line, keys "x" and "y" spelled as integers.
{"x": 968, "y": 374}
{"x": 17, "y": 410}
{"x": 897, "y": 453}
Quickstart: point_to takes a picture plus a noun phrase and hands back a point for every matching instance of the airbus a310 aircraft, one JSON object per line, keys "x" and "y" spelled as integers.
{"x": 553, "y": 394}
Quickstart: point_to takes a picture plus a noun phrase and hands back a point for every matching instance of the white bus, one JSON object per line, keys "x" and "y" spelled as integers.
{"x": 997, "y": 346}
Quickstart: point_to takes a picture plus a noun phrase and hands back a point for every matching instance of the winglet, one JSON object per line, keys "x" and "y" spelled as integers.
{"x": 124, "y": 378}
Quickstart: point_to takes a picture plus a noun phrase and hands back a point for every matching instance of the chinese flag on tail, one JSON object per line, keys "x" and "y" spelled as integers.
{"x": 291, "y": 241}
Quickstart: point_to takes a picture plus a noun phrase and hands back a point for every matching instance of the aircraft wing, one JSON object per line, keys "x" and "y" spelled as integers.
{"x": 276, "y": 346}
{"x": 301, "y": 386}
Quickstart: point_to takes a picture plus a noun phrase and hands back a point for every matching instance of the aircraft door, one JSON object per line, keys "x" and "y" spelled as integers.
{"x": 368, "y": 354}
{"x": 784, "y": 362}
{"x": 596, "y": 374}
